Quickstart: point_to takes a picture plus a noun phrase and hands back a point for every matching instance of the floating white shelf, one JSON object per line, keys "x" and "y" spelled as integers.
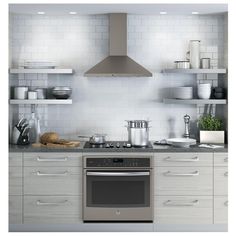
{"x": 41, "y": 71}
{"x": 41, "y": 101}
{"x": 195, "y": 71}
{"x": 194, "y": 101}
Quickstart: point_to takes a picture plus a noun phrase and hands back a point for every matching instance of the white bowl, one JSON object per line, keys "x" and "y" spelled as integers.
{"x": 183, "y": 92}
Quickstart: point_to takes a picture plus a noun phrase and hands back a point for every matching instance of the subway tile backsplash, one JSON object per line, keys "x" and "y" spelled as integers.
{"x": 103, "y": 104}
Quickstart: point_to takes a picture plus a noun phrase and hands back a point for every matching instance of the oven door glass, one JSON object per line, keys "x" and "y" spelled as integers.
{"x": 118, "y": 189}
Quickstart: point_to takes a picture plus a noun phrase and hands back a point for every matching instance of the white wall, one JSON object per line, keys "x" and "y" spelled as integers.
{"x": 102, "y": 104}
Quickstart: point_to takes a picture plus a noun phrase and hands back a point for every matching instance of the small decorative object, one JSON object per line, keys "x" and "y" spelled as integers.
{"x": 205, "y": 63}
{"x": 204, "y": 91}
{"x": 218, "y": 93}
{"x": 211, "y": 129}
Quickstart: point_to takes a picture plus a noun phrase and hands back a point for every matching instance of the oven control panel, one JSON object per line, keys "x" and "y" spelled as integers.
{"x": 118, "y": 162}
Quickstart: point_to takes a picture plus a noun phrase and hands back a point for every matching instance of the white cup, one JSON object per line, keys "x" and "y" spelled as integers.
{"x": 20, "y": 92}
{"x": 32, "y": 95}
{"x": 204, "y": 91}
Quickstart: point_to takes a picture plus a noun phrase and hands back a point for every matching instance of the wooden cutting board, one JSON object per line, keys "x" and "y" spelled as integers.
{"x": 60, "y": 144}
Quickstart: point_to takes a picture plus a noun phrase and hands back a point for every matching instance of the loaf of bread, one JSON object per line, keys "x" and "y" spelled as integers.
{"x": 49, "y": 137}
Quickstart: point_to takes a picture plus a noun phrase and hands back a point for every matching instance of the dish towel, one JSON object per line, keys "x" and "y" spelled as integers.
{"x": 210, "y": 146}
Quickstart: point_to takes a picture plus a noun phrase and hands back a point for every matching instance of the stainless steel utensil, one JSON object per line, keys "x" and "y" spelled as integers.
{"x": 95, "y": 139}
{"x": 182, "y": 64}
{"x": 138, "y": 132}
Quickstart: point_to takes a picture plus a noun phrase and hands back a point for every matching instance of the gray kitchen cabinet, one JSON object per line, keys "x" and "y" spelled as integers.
{"x": 15, "y": 209}
{"x": 220, "y": 209}
{"x": 183, "y": 188}
{"x": 183, "y": 181}
{"x": 52, "y": 188}
{"x": 183, "y": 210}
{"x": 183, "y": 159}
{"x": 52, "y": 209}
{"x": 220, "y": 188}
{"x": 53, "y": 180}
{"x": 53, "y": 159}
{"x": 15, "y": 188}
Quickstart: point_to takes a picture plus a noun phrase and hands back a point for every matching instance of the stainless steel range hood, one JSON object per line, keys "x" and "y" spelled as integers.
{"x": 118, "y": 64}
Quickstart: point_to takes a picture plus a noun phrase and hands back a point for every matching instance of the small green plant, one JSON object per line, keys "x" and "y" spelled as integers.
{"x": 210, "y": 123}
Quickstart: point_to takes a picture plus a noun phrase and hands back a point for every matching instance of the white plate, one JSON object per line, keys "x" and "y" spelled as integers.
{"x": 181, "y": 142}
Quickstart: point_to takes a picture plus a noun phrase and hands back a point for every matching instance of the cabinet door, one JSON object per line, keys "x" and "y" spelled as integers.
{"x": 15, "y": 158}
{"x": 53, "y": 180}
{"x": 220, "y": 210}
{"x": 183, "y": 159}
{"x": 48, "y": 159}
{"x": 183, "y": 210}
{"x": 183, "y": 181}
{"x": 221, "y": 159}
{"x": 15, "y": 180}
{"x": 221, "y": 181}
{"x": 15, "y": 209}
{"x": 52, "y": 209}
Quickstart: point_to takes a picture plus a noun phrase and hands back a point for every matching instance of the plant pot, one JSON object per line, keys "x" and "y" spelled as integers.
{"x": 212, "y": 136}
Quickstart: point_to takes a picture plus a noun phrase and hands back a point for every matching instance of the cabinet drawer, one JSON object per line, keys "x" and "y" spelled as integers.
{"x": 183, "y": 181}
{"x": 15, "y": 159}
{"x": 15, "y": 209}
{"x": 52, "y": 159}
{"x": 53, "y": 180}
{"x": 183, "y": 210}
{"x": 183, "y": 159}
{"x": 52, "y": 209}
{"x": 221, "y": 181}
{"x": 221, "y": 159}
{"x": 15, "y": 180}
{"x": 220, "y": 210}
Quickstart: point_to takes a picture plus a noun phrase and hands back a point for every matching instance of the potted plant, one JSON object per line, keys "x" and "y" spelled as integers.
{"x": 211, "y": 129}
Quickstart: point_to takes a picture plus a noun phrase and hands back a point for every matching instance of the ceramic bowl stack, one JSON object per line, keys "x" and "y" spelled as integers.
{"x": 183, "y": 92}
{"x": 204, "y": 91}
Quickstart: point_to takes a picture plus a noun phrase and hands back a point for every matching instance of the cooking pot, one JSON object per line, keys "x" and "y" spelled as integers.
{"x": 95, "y": 139}
{"x": 138, "y": 132}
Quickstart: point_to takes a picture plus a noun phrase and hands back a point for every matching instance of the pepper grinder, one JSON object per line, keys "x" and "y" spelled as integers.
{"x": 186, "y": 121}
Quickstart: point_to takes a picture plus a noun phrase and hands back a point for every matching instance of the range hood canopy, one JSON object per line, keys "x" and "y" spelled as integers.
{"x": 118, "y": 64}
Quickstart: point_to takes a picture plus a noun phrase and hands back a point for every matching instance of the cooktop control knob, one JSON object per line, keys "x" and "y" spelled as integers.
{"x": 128, "y": 145}
{"x": 118, "y": 145}
{"x": 107, "y": 145}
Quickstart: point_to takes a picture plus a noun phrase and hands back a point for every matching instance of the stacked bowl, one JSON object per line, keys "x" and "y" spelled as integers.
{"x": 183, "y": 92}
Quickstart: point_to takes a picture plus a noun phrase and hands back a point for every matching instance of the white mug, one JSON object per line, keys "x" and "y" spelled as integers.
{"x": 20, "y": 92}
{"x": 204, "y": 91}
{"x": 32, "y": 95}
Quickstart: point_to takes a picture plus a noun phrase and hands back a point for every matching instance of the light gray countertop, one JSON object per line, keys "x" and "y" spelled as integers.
{"x": 156, "y": 148}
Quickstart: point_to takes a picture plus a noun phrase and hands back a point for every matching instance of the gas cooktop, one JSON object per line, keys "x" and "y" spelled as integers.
{"x": 115, "y": 145}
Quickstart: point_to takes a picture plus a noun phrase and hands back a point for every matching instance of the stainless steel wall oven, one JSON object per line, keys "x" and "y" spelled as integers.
{"x": 117, "y": 188}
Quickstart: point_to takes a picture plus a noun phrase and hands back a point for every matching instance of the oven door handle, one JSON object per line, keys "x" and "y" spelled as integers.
{"x": 93, "y": 173}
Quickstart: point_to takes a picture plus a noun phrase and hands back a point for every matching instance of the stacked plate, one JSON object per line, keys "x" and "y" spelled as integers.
{"x": 183, "y": 92}
{"x": 39, "y": 65}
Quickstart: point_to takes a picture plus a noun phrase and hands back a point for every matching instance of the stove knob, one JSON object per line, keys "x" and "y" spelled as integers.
{"x": 111, "y": 145}
{"x": 128, "y": 145}
{"x": 117, "y": 145}
{"x": 107, "y": 145}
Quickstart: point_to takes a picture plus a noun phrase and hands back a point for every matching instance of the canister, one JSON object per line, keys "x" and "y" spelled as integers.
{"x": 205, "y": 63}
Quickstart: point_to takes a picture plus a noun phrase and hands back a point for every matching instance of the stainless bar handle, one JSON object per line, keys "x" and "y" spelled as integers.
{"x": 118, "y": 173}
{"x": 182, "y": 159}
{"x": 180, "y": 203}
{"x": 40, "y": 203}
{"x": 169, "y": 173}
{"x": 226, "y": 174}
{"x": 226, "y": 159}
{"x": 52, "y": 159}
{"x": 226, "y": 203}
{"x": 52, "y": 174}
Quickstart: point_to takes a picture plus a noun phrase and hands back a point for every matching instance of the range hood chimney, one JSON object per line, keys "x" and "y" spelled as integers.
{"x": 118, "y": 64}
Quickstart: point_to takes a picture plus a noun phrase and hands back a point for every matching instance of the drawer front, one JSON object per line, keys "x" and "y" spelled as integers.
{"x": 221, "y": 181}
{"x": 220, "y": 210}
{"x": 52, "y": 209}
{"x": 52, "y": 159}
{"x": 183, "y": 181}
{"x": 183, "y": 159}
{"x": 221, "y": 159}
{"x": 15, "y": 209}
{"x": 183, "y": 210}
{"x": 15, "y": 180}
{"x": 15, "y": 158}
{"x": 53, "y": 180}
